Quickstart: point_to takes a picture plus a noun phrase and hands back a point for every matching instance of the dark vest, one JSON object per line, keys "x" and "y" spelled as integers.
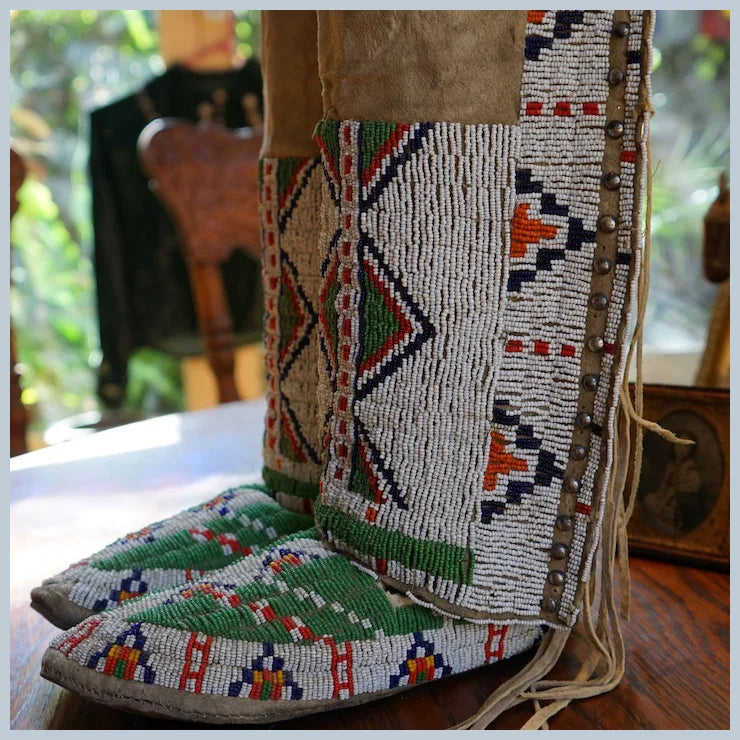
{"x": 143, "y": 291}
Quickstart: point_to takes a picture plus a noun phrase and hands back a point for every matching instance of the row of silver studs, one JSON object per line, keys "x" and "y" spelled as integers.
{"x": 618, "y": 177}
{"x": 607, "y": 225}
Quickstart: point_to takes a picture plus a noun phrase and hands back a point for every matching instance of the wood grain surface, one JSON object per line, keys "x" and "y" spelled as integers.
{"x": 677, "y": 642}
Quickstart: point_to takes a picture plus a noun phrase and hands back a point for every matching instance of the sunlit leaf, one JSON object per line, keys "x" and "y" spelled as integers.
{"x": 36, "y": 201}
{"x": 30, "y": 122}
{"x": 657, "y": 58}
{"x": 139, "y": 31}
{"x": 29, "y": 396}
{"x": 68, "y": 329}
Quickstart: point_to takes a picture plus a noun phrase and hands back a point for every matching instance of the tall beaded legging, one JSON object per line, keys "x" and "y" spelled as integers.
{"x": 465, "y": 309}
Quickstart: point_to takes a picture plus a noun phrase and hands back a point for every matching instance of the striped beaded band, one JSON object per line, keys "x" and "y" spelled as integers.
{"x": 615, "y": 270}
{"x": 290, "y": 191}
{"x": 457, "y": 309}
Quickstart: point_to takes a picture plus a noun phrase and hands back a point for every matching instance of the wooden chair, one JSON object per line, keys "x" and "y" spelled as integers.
{"x": 18, "y": 413}
{"x": 206, "y": 176}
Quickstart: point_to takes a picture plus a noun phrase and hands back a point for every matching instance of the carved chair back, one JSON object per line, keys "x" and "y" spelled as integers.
{"x": 206, "y": 177}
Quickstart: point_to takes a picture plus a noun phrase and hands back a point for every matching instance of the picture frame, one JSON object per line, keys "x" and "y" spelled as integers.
{"x": 682, "y": 511}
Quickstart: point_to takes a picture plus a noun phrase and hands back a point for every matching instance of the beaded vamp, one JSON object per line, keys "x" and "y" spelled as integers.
{"x": 236, "y": 523}
{"x": 294, "y": 622}
{"x": 467, "y": 452}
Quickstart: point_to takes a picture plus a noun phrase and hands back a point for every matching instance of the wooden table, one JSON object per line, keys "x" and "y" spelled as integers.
{"x": 72, "y": 499}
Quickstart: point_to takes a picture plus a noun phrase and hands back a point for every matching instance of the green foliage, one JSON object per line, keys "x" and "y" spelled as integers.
{"x": 246, "y": 28}
{"x": 690, "y": 147}
{"x": 63, "y": 63}
{"x": 52, "y": 308}
{"x": 153, "y": 382}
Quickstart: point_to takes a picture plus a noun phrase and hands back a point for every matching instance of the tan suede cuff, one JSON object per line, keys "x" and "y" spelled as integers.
{"x": 421, "y": 65}
{"x": 292, "y": 91}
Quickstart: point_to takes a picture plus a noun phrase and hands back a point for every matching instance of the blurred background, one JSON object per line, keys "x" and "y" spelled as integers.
{"x": 66, "y": 64}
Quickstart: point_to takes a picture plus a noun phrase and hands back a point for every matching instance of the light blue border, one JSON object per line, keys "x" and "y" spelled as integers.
{"x": 5, "y": 359}
{"x": 353, "y": 4}
{"x": 734, "y": 376}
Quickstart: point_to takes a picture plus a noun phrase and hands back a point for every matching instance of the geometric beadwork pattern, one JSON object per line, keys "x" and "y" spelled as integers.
{"x": 457, "y": 268}
{"x": 289, "y": 211}
{"x": 235, "y": 523}
{"x": 558, "y": 178}
{"x": 266, "y": 678}
{"x": 413, "y": 366}
{"x": 125, "y": 657}
{"x": 421, "y": 664}
{"x": 317, "y": 628}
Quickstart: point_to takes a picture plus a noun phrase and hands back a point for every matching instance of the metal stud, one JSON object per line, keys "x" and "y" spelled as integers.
{"x": 595, "y": 343}
{"x": 621, "y": 29}
{"x": 590, "y": 381}
{"x": 564, "y": 523}
{"x": 616, "y": 76}
{"x": 548, "y": 605}
{"x": 614, "y": 129}
{"x": 607, "y": 224}
{"x": 571, "y": 484}
{"x": 583, "y": 420}
{"x": 559, "y": 550}
{"x": 599, "y": 301}
{"x": 611, "y": 180}
{"x": 577, "y": 452}
{"x": 556, "y": 577}
{"x": 602, "y": 265}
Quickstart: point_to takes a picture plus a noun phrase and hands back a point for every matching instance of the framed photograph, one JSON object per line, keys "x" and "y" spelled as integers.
{"x": 683, "y": 500}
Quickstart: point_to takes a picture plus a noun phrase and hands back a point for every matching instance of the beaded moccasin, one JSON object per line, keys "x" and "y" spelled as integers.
{"x": 236, "y": 522}
{"x": 292, "y": 630}
{"x": 206, "y": 537}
